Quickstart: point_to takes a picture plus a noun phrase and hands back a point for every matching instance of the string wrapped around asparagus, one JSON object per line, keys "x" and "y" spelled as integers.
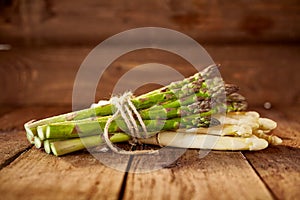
{"x": 185, "y": 104}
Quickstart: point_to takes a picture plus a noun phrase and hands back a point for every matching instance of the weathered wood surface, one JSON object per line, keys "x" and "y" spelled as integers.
{"x": 269, "y": 174}
{"x": 219, "y": 175}
{"x": 255, "y": 42}
{"x": 33, "y": 174}
{"x": 13, "y": 140}
{"x": 37, "y": 175}
{"x": 279, "y": 166}
{"x": 46, "y": 75}
{"x": 41, "y": 22}
{"x": 12, "y": 145}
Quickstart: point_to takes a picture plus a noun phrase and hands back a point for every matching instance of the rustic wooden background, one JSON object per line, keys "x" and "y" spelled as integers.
{"x": 257, "y": 44}
{"x": 43, "y": 43}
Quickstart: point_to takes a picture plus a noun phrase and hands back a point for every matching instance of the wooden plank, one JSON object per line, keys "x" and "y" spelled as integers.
{"x": 263, "y": 73}
{"x": 13, "y": 139}
{"x": 279, "y": 166}
{"x": 38, "y": 73}
{"x": 12, "y": 144}
{"x": 53, "y": 177}
{"x": 290, "y": 114}
{"x": 219, "y": 175}
{"x": 84, "y": 22}
{"x": 46, "y": 76}
{"x": 37, "y": 175}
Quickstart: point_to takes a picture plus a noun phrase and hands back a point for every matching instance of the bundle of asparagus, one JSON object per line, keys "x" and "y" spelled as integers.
{"x": 186, "y": 108}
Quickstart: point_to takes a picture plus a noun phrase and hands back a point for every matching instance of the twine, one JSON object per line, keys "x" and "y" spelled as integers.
{"x": 126, "y": 109}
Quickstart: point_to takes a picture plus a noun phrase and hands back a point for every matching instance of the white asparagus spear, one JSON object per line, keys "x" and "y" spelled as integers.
{"x": 222, "y": 130}
{"x": 272, "y": 139}
{"x": 267, "y": 124}
{"x": 199, "y": 141}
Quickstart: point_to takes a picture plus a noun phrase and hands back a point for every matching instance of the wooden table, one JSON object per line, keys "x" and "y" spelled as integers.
{"x": 29, "y": 173}
{"x": 44, "y": 42}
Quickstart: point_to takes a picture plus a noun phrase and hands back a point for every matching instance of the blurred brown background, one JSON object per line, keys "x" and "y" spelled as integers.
{"x": 43, "y": 43}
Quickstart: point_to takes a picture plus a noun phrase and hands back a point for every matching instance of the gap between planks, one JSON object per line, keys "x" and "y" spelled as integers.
{"x": 41, "y": 75}
{"x": 276, "y": 167}
{"x": 37, "y": 175}
{"x": 14, "y": 156}
{"x": 279, "y": 166}
{"x": 261, "y": 178}
{"x": 281, "y": 188}
{"x": 219, "y": 175}
{"x": 13, "y": 139}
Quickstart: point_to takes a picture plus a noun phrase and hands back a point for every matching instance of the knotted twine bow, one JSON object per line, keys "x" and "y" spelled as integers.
{"x": 127, "y": 110}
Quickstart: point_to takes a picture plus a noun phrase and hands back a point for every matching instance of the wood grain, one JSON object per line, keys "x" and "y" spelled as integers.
{"x": 255, "y": 42}
{"x": 46, "y": 76}
{"x": 263, "y": 73}
{"x": 12, "y": 144}
{"x": 62, "y": 22}
{"x": 79, "y": 175}
{"x": 36, "y": 73}
{"x": 279, "y": 166}
{"x": 219, "y": 175}
{"x": 36, "y": 175}
{"x": 13, "y": 139}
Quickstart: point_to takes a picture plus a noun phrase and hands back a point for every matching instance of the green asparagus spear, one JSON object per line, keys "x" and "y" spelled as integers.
{"x": 92, "y": 126}
{"x": 67, "y": 146}
{"x": 173, "y": 91}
